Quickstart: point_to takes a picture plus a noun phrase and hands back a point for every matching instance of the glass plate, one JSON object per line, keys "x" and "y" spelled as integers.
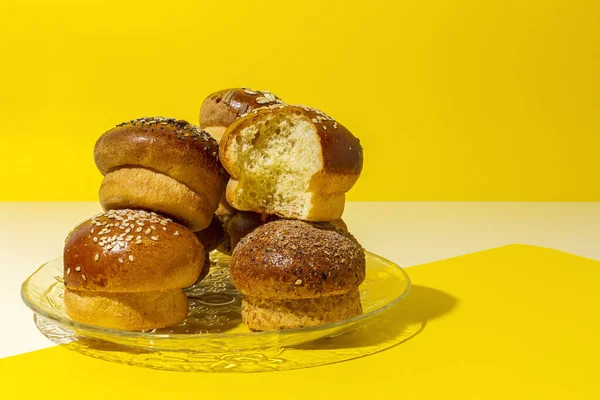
{"x": 212, "y": 337}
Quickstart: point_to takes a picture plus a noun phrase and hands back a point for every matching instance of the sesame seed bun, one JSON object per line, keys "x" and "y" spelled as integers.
{"x": 131, "y": 251}
{"x": 168, "y": 148}
{"x": 292, "y": 161}
{"x": 290, "y": 259}
{"x": 221, "y": 108}
{"x": 127, "y": 311}
{"x": 267, "y": 314}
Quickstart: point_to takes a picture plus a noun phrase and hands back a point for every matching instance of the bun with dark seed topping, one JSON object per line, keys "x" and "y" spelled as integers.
{"x": 295, "y": 273}
{"x": 221, "y": 108}
{"x": 163, "y": 165}
{"x": 126, "y": 269}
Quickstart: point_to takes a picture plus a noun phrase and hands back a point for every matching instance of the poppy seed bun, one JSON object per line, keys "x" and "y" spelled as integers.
{"x": 127, "y": 311}
{"x": 169, "y": 148}
{"x": 268, "y": 314}
{"x": 292, "y": 161}
{"x": 221, "y": 108}
{"x": 289, "y": 259}
{"x": 131, "y": 251}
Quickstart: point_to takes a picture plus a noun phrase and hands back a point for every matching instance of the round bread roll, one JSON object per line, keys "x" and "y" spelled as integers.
{"x": 221, "y": 108}
{"x": 292, "y": 161}
{"x": 131, "y": 251}
{"x": 164, "y": 165}
{"x": 288, "y": 259}
{"x": 127, "y": 311}
{"x": 212, "y": 236}
{"x": 261, "y": 314}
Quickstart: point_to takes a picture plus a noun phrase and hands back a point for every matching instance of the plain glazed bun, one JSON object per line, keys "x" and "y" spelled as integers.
{"x": 268, "y": 314}
{"x": 131, "y": 251}
{"x": 127, "y": 311}
{"x": 292, "y": 161}
{"x": 163, "y": 165}
{"x": 290, "y": 259}
{"x": 221, "y": 108}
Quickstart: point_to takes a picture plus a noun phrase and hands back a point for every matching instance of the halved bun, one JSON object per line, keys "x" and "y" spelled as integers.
{"x": 292, "y": 161}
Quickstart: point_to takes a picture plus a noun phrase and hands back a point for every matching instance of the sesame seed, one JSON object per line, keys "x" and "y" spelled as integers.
{"x": 84, "y": 277}
{"x": 121, "y": 260}
{"x": 176, "y": 233}
{"x": 95, "y": 239}
{"x": 92, "y": 231}
{"x": 138, "y": 242}
{"x": 78, "y": 268}
{"x": 164, "y": 228}
{"x": 298, "y": 282}
{"x": 148, "y": 231}
{"x": 131, "y": 258}
{"x": 138, "y": 238}
{"x": 139, "y": 229}
{"x": 152, "y": 227}
{"x": 127, "y": 230}
{"x": 69, "y": 271}
{"x": 96, "y": 257}
{"x": 154, "y": 237}
{"x": 324, "y": 128}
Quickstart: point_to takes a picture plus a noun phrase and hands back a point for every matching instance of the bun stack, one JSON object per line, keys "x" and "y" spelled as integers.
{"x": 269, "y": 191}
{"x": 126, "y": 268}
{"x": 290, "y": 167}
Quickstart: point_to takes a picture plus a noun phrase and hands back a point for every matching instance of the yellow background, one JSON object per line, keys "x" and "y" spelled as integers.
{"x": 453, "y": 100}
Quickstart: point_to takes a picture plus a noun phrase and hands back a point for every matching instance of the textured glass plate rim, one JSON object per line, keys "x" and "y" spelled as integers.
{"x": 221, "y": 335}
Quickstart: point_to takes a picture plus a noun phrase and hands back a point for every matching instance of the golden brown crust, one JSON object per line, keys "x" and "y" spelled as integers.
{"x": 221, "y": 108}
{"x": 141, "y": 188}
{"x": 341, "y": 150}
{"x": 212, "y": 236}
{"x": 290, "y": 259}
{"x": 127, "y": 311}
{"x": 131, "y": 251}
{"x": 172, "y": 147}
{"x": 268, "y": 314}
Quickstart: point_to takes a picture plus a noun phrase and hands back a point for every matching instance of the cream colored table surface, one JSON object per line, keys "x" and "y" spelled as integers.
{"x": 409, "y": 233}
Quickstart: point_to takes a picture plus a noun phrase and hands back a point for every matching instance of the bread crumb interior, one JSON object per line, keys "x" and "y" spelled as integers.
{"x": 277, "y": 157}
